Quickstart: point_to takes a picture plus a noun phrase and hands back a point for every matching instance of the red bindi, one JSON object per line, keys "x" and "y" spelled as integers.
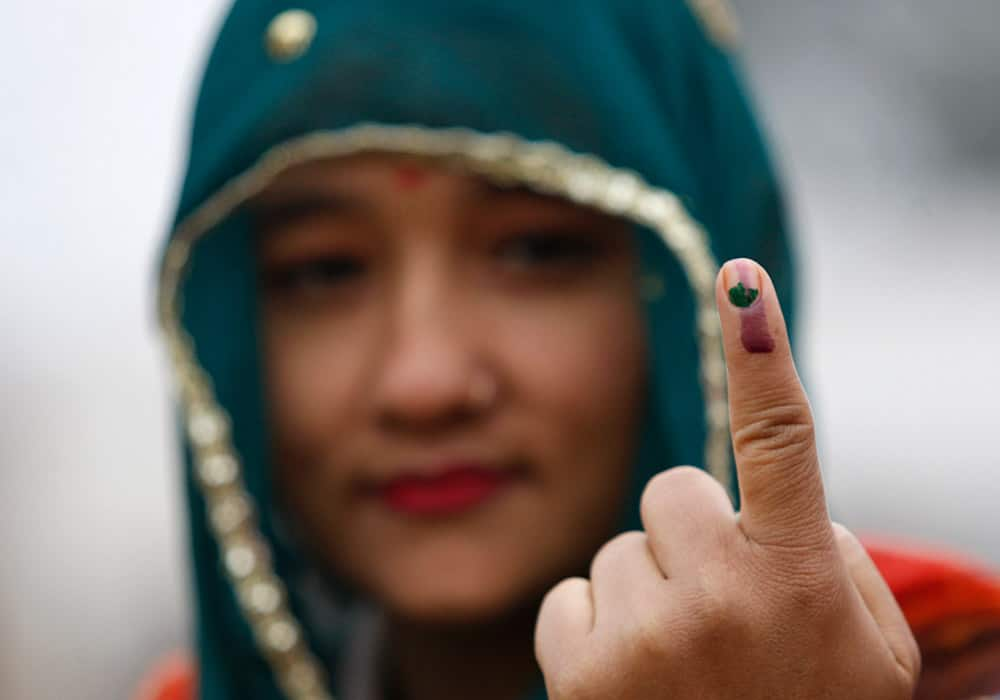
{"x": 409, "y": 177}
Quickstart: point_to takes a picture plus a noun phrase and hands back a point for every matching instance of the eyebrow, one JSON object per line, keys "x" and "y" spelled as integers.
{"x": 491, "y": 190}
{"x": 271, "y": 211}
{"x": 274, "y": 210}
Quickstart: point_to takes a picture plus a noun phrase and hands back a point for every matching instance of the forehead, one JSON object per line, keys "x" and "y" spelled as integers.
{"x": 391, "y": 174}
{"x": 368, "y": 167}
{"x": 380, "y": 181}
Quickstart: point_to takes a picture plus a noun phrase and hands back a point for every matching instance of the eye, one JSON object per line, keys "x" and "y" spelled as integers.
{"x": 545, "y": 249}
{"x": 315, "y": 275}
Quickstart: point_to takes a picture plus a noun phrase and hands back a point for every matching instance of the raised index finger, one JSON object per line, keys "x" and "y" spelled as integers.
{"x": 781, "y": 489}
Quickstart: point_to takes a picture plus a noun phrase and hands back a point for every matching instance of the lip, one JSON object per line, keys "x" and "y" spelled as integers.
{"x": 446, "y": 489}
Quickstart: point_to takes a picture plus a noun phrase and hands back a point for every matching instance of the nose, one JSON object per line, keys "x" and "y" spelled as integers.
{"x": 432, "y": 374}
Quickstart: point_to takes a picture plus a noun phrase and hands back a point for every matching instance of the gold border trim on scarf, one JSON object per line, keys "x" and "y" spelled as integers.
{"x": 718, "y": 21}
{"x": 546, "y": 167}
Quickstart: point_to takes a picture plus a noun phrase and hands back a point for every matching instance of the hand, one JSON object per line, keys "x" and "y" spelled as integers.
{"x": 772, "y": 602}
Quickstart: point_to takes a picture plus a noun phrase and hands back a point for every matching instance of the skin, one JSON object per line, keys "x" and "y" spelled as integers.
{"x": 381, "y": 315}
{"x": 392, "y": 289}
{"x": 775, "y": 601}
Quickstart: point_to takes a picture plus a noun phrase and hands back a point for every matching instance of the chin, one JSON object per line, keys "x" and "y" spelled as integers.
{"x": 463, "y": 591}
{"x": 448, "y": 606}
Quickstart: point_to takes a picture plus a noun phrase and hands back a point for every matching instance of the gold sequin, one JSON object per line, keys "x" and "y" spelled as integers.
{"x": 289, "y": 35}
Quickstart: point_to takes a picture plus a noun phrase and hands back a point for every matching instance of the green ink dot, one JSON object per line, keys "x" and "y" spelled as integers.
{"x": 741, "y": 296}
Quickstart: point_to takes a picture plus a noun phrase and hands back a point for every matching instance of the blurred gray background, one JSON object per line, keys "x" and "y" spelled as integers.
{"x": 885, "y": 119}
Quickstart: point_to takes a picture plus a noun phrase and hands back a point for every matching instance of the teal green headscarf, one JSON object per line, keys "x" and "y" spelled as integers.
{"x": 640, "y": 84}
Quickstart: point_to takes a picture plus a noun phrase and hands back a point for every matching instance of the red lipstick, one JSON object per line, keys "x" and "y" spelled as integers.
{"x": 447, "y": 492}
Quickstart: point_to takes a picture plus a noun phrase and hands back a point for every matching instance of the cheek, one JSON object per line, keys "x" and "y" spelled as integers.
{"x": 312, "y": 377}
{"x": 582, "y": 373}
{"x": 588, "y": 364}
{"x": 310, "y": 373}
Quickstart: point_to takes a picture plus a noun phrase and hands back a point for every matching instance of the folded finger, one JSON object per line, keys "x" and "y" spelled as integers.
{"x": 687, "y": 515}
{"x": 878, "y": 599}
{"x": 625, "y": 579}
{"x": 564, "y": 621}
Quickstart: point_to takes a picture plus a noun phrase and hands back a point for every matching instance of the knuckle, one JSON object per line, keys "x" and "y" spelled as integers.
{"x": 656, "y": 624}
{"x": 844, "y": 535}
{"x": 839, "y": 529}
{"x": 909, "y": 663}
{"x": 718, "y": 619}
{"x": 658, "y": 638}
{"x": 615, "y": 551}
{"x": 649, "y": 632}
{"x": 903, "y": 685}
{"x": 912, "y": 663}
{"x": 567, "y": 600}
{"x": 551, "y": 602}
{"x": 778, "y": 433}
{"x": 674, "y": 483}
{"x": 848, "y": 544}
{"x": 720, "y": 612}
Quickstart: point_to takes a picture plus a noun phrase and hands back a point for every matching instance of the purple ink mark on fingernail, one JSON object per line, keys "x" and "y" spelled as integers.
{"x": 754, "y": 332}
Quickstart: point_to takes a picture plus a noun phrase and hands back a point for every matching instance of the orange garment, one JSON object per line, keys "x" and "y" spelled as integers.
{"x": 953, "y": 608}
{"x": 947, "y": 601}
{"x": 174, "y": 678}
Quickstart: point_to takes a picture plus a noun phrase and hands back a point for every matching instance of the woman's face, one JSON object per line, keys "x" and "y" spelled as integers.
{"x": 455, "y": 373}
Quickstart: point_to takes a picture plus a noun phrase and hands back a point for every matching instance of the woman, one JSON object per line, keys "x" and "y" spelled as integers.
{"x": 429, "y": 372}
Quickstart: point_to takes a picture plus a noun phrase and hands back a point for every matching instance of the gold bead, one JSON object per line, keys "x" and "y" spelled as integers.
{"x": 229, "y": 512}
{"x": 708, "y": 323}
{"x": 240, "y": 560}
{"x": 718, "y": 411}
{"x": 713, "y": 371}
{"x": 281, "y": 635}
{"x": 289, "y": 35}
{"x": 719, "y": 21}
{"x": 656, "y": 206}
{"x": 622, "y": 190}
{"x": 302, "y": 676}
{"x": 218, "y": 470}
{"x": 205, "y": 426}
{"x": 583, "y": 186}
{"x": 264, "y": 596}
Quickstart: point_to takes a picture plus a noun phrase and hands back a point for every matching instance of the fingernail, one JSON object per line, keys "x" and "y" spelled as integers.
{"x": 743, "y": 286}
